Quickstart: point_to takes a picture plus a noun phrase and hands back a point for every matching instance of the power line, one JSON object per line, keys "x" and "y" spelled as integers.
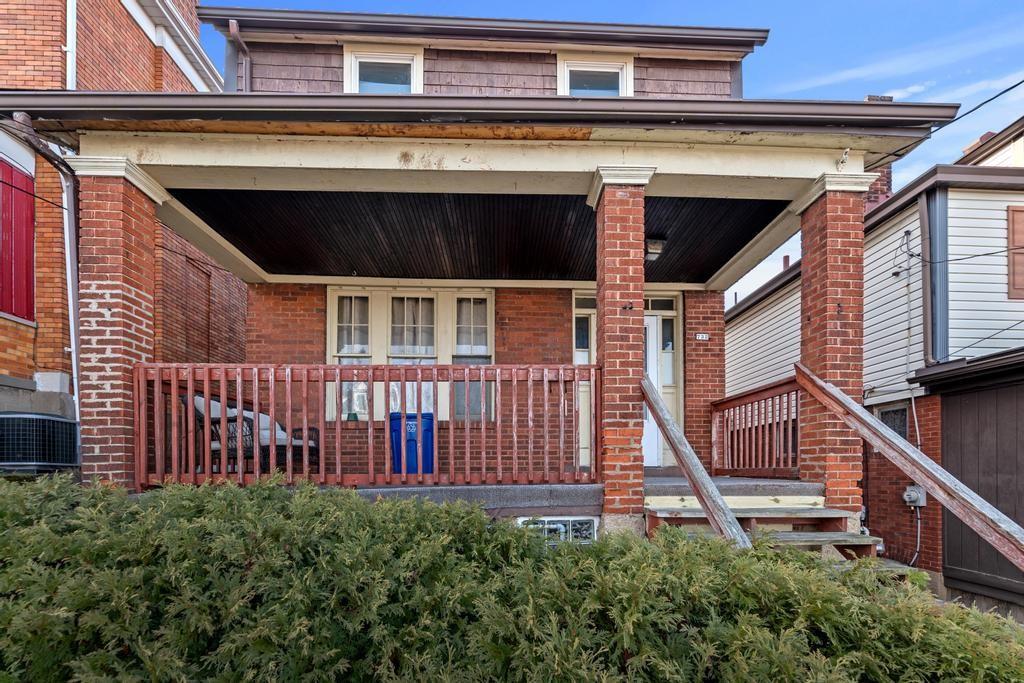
{"x": 33, "y": 194}
{"x": 994, "y": 334}
{"x": 899, "y": 152}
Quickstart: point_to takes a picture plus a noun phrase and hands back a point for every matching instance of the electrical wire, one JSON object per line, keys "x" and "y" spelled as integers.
{"x": 991, "y": 336}
{"x": 899, "y": 153}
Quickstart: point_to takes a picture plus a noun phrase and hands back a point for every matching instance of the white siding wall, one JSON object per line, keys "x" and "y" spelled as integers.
{"x": 763, "y": 343}
{"x": 978, "y": 301}
{"x": 892, "y": 347}
{"x": 1010, "y": 154}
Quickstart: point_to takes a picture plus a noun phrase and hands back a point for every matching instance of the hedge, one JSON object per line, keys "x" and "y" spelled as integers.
{"x": 265, "y": 583}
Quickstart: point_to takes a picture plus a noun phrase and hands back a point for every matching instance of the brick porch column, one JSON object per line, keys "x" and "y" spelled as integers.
{"x": 832, "y": 329}
{"x": 117, "y": 224}
{"x": 703, "y": 366}
{"x": 618, "y": 197}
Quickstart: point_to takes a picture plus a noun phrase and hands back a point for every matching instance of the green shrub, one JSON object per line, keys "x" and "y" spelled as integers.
{"x": 264, "y": 583}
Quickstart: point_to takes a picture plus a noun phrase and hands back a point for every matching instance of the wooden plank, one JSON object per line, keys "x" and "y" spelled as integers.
{"x": 497, "y": 427}
{"x": 175, "y": 428}
{"x": 1004, "y": 534}
{"x": 720, "y": 517}
{"x": 207, "y": 426}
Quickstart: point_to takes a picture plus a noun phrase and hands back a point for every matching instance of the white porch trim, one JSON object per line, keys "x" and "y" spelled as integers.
{"x": 617, "y": 175}
{"x": 119, "y": 167}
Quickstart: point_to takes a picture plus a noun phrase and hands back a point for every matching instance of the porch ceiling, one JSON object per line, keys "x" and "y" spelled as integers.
{"x": 466, "y": 236}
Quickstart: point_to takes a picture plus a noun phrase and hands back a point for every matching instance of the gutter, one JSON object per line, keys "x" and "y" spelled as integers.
{"x": 900, "y": 119}
{"x": 22, "y": 129}
{"x": 466, "y": 28}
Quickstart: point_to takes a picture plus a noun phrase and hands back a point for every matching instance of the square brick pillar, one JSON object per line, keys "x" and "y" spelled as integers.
{"x": 618, "y": 196}
{"x": 703, "y": 366}
{"x": 832, "y": 332}
{"x": 117, "y": 224}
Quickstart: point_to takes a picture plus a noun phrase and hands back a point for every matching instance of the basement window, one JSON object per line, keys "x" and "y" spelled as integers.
{"x": 895, "y": 418}
{"x": 557, "y": 530}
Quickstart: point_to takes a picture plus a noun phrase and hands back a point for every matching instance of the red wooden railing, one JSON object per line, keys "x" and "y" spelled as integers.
{"x": 493, "y": 424}
{"x": 756, "y": 433}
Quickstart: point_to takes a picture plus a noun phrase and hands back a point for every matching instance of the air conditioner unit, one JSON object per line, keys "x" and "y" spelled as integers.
{"x": 34, "y": 443}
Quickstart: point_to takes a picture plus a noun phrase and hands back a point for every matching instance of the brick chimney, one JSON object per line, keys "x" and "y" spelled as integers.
{"x": 881, "y": 189}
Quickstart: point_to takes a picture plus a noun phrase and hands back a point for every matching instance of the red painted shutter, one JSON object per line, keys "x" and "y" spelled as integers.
{"x": 1015, "y": 243}
{"x": 17, "y": 242}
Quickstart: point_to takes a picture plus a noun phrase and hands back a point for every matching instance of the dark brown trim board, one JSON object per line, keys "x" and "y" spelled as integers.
{"x": 982, "y": 150}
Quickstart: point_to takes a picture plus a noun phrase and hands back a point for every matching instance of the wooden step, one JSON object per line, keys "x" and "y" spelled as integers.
{"x": 820, "y": 538}
{"x": 773, "y": 513}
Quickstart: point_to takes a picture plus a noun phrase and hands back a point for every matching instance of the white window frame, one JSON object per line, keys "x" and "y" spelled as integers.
{"x": 571, "y": 61}
{"x": 445, "y": 316}
{"x": 354, "y": 53}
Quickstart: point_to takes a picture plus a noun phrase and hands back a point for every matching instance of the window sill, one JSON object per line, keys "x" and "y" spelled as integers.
{"x": 21, "y": 321}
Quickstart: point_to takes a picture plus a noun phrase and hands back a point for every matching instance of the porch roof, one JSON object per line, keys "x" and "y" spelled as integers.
{"x": 465, "y": 236}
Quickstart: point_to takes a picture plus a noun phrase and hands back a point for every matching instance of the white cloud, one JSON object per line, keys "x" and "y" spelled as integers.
{"x": 904, "y": 93}
{"x": 922, "y": 57}
{"x": 984, "y": 85}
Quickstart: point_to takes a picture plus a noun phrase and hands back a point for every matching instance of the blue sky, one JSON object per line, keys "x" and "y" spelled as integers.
{"x": 955, "y": 51}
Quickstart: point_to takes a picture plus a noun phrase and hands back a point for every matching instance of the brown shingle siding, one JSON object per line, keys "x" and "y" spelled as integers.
{"x": 295, "y": 68}
{"x": 464, "y": 72}
{"x": 681, "y": 78}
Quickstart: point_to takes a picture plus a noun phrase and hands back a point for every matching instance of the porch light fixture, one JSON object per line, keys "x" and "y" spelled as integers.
{"x": 654, "y": 249}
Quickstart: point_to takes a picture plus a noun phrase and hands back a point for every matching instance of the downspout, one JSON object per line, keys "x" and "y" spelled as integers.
{"x": 71, "y": 45}
{"x": 23, "y": 130}
{"x": 926, "y": 278}
{"x": 236, "y": 37}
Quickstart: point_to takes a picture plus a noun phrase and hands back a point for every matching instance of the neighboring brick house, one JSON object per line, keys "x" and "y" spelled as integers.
{"x": 482, "y": 233}
{"x": 943, "y": 281}
{"x": 108, "y": 45}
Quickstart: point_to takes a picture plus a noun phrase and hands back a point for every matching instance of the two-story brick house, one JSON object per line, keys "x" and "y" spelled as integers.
{"x": 479, "y": 234}
{"x": 199, "y": 309}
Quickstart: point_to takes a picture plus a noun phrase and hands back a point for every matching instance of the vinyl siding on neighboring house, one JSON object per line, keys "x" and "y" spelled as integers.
{"x": 978, "y": 279}
{"x": 1001, "y": 157}
{"x": 886, "y": 335}
{"x": 763, "y": 343}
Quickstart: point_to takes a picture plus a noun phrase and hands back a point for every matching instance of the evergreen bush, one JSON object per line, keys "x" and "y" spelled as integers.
{"x": 265, "y": 583}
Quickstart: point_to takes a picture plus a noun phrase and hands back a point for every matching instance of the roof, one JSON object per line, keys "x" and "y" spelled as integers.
{"x": 943, "y": 175}
{"x": 983, "y": 149}
{"x": 968, "y": 373}
{"x": 898, "y": 118}
{"x": 778, "y": 282}
{"x": 742, "y": 40}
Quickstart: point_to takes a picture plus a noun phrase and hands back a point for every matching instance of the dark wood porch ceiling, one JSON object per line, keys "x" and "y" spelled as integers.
{"x": 466, "y": 236}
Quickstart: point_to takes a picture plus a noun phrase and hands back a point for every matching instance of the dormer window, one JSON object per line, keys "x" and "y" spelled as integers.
{"x": 383, "y": 69}
{"x": 588, "y": 75}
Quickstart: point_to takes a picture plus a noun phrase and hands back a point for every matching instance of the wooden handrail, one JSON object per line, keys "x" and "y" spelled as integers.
{"x": 1005, "y": 535}
{"x": 719, "y": 515}
{"x": 764, "y": 391}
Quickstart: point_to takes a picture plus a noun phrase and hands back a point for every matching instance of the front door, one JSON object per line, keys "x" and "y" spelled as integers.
{"x": 652, "y": 435}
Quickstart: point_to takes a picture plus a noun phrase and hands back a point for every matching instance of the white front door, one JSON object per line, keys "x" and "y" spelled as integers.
{"x": 652, "y": 435}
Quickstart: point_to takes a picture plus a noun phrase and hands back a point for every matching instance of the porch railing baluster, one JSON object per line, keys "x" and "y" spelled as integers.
{"x": 758, "y": 428}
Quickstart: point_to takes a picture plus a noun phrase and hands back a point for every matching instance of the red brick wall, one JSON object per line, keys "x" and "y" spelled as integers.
{"x": 703, "y": 366}
{"x": 168, "y": 76}
{"x": 832, "y": 340}
{"x": 888, "y": 516}
{"x": 17, "y": 343}
{"x": 533, "y": 326}
{"x": 31, "y": 36}
{"x": 113, "y": 52}
{"x": 200, "y": 307}
{"x": 116, "y": 252}
{"x": 51, "y": 290}
{"x": 880, "y": 190}
{"x": 620, "y": 330}
{"x": 286, "y": 323}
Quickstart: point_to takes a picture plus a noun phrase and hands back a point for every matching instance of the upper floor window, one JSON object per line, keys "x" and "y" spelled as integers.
{"x": 595, "y": 75}
{"x": 383, "y": 69}
{"x": 17, "y": 243}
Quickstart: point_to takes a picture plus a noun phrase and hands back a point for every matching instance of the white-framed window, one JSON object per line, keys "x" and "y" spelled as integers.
{"x": 410, "y": 326}
{"x": 383, "y": 69}
{"x": 557, "y": 530}
{"x": 595, "y": 75}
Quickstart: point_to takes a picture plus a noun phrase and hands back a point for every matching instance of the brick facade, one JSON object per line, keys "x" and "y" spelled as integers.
{"x": 533, "y": 326}
{"x": 881, "y": 188}
{"x": 200, "y": 307}
{"x": 286, "y": 323}
{"x": 703, "y": 366}
{"x": 31, "y": 40}
{"x": 832, "y": 340}
{"x": 620, "y": 335}
{"x": 53, "y": 338}
{"x": 116, "y": 301}
{"x": 17, "y": 342}
{"x": 113, "y": 52}
{"x": 888, "y": 516}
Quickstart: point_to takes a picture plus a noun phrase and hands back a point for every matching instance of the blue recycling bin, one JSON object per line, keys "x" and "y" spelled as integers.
{"x": 411, "y": 438}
